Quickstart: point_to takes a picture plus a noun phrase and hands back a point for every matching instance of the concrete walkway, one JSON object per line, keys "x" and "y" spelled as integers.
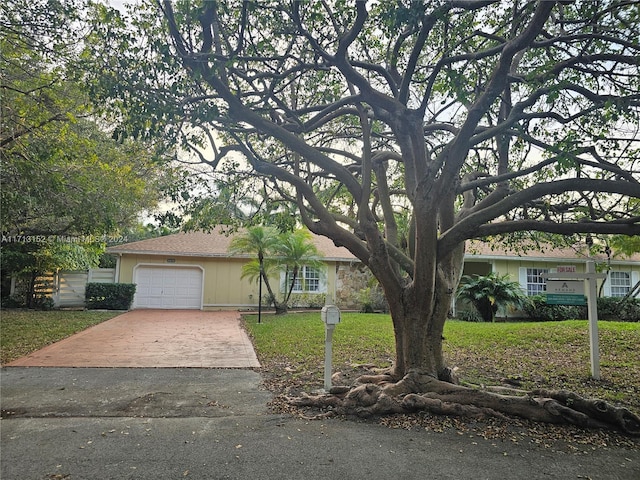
{"x": 153, "y": 338}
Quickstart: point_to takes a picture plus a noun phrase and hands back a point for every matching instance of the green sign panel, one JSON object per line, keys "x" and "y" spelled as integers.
{"x": 565, "y": 299}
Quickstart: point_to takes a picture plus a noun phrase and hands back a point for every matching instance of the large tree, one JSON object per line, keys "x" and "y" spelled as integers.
{"x": 62, "y": 173}
{"x": 66, "y": 185}
{"x": 401, "y": 130}
{"x": 39, "y": 45}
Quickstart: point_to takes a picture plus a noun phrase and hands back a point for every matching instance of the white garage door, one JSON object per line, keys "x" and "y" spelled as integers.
{"x": 168, "y": 287}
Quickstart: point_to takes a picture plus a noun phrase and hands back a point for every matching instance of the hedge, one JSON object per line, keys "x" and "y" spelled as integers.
{"x": 109, "y": 296}
{"x": 609, "y": 308}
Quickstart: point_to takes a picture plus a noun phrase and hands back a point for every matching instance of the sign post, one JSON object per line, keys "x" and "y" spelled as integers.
{"x": 592, "y": 308}
{"x": 565, "y": 292}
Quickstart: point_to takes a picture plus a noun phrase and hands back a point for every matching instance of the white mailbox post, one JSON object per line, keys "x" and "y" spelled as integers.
{"x": 330, "y": 315}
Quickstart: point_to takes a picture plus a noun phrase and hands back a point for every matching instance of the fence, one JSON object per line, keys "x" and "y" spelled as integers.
{"x": 67, "y": 287}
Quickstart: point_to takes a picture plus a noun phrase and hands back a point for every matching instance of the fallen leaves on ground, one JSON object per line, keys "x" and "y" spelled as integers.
{"x": 284, "y": 380}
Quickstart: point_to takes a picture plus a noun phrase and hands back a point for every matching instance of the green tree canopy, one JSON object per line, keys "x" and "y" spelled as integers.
{"x": 74, "y": 179}
{"x": 61, "y": 173}
{"x": 400, "y": 130}
{"x": 66, "y": 184}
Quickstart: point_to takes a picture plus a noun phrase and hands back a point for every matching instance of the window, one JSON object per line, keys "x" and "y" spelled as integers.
{"x": 536, "y": 284}
{"x": 308, "y": 280}
{"x": 620, "y": 283}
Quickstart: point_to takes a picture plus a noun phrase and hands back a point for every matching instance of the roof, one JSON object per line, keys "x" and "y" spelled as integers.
{"x": 483, "y": 250}
{"x": 213, "y": 244}
{"x": 216, "y": 244}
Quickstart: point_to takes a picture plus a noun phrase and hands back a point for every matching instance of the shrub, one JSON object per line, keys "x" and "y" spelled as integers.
{"x": 490, "y": 292}
{"x": 609, "y": 308}
{"x": 42, "y": 302}
{"x": 612, "y": 308}
{"x": 626, "y": 311}
{"x": 372, "y": 300}
{"x": 307, "y": 300}
{"x": 469, "y": 316}
{"x": 538, "y": 309}
{"x": 109, "y": 296}
{"x": 12, "y": 301}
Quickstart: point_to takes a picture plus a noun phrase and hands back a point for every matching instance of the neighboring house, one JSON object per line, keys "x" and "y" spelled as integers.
{"x": 65, "y": 288}
{"x": 196, "y": 271}
{"x": 528, "y": 267}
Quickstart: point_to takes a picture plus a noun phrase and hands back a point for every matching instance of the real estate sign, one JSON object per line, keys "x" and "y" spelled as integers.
{"x": 566, "y": 269}
{"x": 566, "y": 281}
{"x": 566, "y": 292}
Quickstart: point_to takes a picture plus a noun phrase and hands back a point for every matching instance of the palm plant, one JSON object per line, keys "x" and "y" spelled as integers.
{"x": 288, "y": 251}
{"x": 294, "y": 251}
{"x": 490, "y": 292}
{"x": 259, "y": 241}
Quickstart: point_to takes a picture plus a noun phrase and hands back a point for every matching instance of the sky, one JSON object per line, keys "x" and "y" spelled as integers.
{"x": 119, "y": 4}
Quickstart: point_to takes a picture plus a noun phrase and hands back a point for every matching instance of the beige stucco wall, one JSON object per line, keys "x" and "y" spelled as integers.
{"x": 223, "y": 285}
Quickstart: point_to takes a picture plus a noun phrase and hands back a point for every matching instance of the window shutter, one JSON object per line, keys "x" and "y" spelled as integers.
{"x": 606, "y": 291}
{"x": 522, "y": 278}
{"x": 635, "y": 277}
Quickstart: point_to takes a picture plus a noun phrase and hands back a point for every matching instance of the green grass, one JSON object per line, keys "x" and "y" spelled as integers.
{"x": 25, "y": 331}
{"x": 298, "y": 339}
{"x": 538, "y": 354}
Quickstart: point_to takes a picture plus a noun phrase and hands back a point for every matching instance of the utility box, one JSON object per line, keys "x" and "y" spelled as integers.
{"x": 330, "y": 315}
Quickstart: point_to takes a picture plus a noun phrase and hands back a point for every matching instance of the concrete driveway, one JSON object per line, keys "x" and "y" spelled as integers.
{"x": 153, "y": 338}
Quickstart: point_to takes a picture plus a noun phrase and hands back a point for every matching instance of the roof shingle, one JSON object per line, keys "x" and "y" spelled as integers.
{"x": 214, "y": 244}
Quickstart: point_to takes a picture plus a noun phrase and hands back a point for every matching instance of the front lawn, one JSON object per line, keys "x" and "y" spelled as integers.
{"x": 25, "y": 331}
{"x": 533, "y": 354}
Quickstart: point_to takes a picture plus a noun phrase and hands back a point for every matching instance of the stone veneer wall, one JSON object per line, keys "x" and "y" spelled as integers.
{"x": 350, "y": 279}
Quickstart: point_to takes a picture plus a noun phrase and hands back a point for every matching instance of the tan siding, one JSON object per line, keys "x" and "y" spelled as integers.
{"x": 224, "y": 287}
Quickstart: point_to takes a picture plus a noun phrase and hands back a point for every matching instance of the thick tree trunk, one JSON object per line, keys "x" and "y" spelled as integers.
{"x": 419, "y": 314}
{"x": 419, "y": 344}
{"x": 486, "y": 309}
{"x": 420, "y": 379}
{"x": 380, "y": 395}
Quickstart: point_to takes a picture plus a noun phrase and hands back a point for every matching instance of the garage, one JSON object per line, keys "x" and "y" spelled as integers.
{"x": 197, "y": 270}
{"x": 160, "y": 286}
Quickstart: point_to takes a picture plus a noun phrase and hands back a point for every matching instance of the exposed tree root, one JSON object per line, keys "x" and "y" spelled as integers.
{"x": 379, "y": 395}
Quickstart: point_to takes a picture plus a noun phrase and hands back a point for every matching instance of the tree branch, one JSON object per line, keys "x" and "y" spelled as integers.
{"x": 470, "y": 225}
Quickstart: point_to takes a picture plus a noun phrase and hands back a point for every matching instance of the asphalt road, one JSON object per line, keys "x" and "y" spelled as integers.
{"x": 171, "y": 423}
